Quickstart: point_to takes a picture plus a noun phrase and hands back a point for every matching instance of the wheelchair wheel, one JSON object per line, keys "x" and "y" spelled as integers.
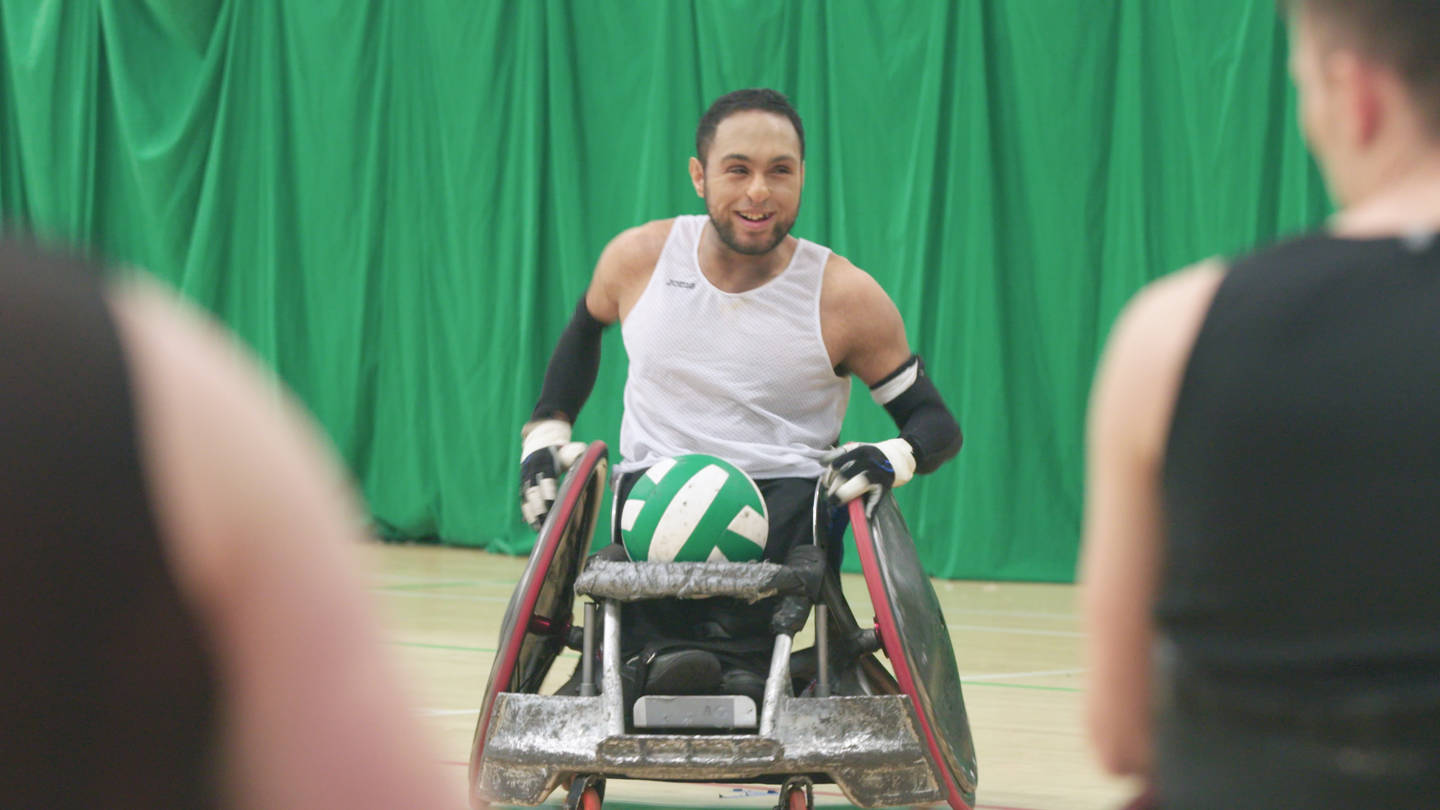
{"x": 537, "y": 619}
{"x": 915, "y": 639}
{"x": 587, "y": 792}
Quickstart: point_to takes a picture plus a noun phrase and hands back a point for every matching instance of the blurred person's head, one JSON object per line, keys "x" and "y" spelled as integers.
{"x": 1368, "y": 76}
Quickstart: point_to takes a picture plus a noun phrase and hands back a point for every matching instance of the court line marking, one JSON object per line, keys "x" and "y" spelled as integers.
{"x": 1031, "y": 686}
{"x": 1018, "y": 631}
{"x": 420, "y": 585}
{"x": 457, "y": 597}
{"x": 450, "y": 647}
{"x": 1039, "y": 673}
{"x": 383, "y": 579}
{"x": 750, "y": 791}
{"x": 1017, "y": 614}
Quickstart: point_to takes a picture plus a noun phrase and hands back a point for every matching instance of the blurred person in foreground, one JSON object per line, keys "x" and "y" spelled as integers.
{"x": 1262, "y": 537}
{"x": 183, "y": 611}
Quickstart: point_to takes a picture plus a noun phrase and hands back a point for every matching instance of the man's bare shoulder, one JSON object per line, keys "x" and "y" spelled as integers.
{"x": 262, "y": 529}
{"x": 624, "y": 269}
{"x": 861, "y": 326}
{"x": 234, "y": 463}
{"x": 1148, "y": 349}
{"x": 846, "y": 287}
{"x": 638, "y": 248}
{"x": 1160, "y": 323}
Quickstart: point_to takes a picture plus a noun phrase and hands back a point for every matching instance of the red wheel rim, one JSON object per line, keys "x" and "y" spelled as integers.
{"x": 889, "y": 636}
{"x": 500, "y": 676}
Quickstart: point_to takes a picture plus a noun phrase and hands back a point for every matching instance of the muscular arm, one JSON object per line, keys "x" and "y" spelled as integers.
{"x": 866, "y": 337}
{"x": 863, "y": 330}
{"x": 264, "y": 535}
{"x": 620, "y": 276}
{"x": 1130, "y": 409}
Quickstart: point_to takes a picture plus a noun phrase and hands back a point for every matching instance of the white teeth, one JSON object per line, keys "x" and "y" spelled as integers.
{"x": 754, "y": 218}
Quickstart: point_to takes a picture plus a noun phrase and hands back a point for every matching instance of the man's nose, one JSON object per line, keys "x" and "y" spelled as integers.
{"x": 758, "y": 190}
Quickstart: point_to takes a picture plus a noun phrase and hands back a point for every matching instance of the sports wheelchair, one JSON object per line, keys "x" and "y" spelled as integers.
{"x": 888, "y": 740}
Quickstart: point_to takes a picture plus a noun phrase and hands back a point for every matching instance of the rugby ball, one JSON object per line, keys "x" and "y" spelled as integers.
{"x": 694, "y": 508}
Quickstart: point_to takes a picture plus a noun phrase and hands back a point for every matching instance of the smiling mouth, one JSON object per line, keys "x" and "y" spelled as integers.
{"x": 754, "y": 217}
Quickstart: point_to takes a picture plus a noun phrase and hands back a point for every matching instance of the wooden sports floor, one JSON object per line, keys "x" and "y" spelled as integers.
{"x": 1017, "y": 646}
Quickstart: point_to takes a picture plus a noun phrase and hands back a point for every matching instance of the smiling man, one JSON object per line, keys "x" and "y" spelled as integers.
{"x": 742, "y": 340}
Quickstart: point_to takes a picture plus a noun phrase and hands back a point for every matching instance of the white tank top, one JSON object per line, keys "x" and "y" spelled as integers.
{"x": 742, "y": 376}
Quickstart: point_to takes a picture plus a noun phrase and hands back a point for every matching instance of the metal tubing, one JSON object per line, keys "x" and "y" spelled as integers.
{"x": 822, "y": 650}
{"x": 776, "y": 684}
{"x": 587, "y": 653}
{"x": 610, "y": 668}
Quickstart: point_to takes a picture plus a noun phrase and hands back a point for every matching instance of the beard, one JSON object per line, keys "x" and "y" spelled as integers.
{"x": 726, "y": 229}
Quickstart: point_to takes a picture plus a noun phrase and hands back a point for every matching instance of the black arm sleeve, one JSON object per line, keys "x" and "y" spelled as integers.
{"x": 924, "y": 421}
{"x": 570, "y": 377}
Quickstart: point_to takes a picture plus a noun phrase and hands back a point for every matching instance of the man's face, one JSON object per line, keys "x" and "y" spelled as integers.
{"x": 751, "y": 180}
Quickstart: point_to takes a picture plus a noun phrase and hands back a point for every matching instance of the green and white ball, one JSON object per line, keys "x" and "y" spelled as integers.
{"x": 694, "y": 508}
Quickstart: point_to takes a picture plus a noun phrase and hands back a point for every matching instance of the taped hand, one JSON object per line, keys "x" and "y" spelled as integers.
{"x": 545, "y": 454}
{"x": 856, "y": 468}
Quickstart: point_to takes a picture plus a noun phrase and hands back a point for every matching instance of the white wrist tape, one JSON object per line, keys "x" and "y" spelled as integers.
{"x": 902, "y": 458}
{"x": 542, "y": 434}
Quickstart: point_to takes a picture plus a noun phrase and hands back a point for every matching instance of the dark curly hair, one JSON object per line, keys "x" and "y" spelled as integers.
{"x": 758, "y": 98}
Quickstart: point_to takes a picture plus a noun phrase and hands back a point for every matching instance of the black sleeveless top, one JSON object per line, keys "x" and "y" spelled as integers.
{"x": 106, "y": 689}
{"x": 1302, "y": 474}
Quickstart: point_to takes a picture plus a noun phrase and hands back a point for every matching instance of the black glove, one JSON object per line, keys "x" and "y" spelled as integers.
{"x": 857, "y": 469}
{"x": 545, "y": 456}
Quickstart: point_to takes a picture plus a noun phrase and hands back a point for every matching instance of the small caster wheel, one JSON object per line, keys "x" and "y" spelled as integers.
{"x": 587, "y": 792}
{"x": 798, "y": 793}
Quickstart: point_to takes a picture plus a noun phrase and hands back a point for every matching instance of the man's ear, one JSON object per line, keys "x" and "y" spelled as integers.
{"x": 1355, "y": 86}
{"x": 1377, "y": 90}
{"x": 697, "y": 176}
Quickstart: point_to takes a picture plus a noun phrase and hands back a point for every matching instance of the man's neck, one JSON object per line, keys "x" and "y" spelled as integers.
{"x": 734, "y": 272}
{"x": 1404, "y": 199}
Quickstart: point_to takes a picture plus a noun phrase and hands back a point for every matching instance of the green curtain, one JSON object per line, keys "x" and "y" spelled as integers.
{"x": 396, "y": 204}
